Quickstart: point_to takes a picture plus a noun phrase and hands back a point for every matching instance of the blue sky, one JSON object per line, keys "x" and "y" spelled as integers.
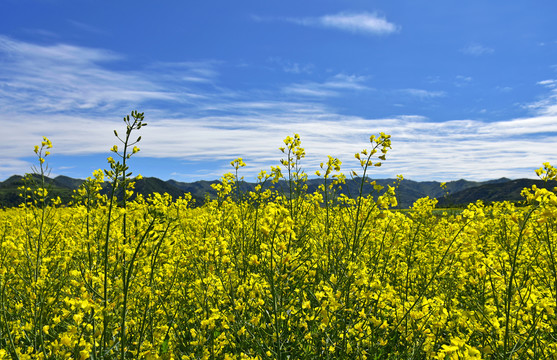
{"x": 466, "y": 89}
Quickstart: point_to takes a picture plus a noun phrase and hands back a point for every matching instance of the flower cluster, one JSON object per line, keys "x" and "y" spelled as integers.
{"x": 278, "y": 274}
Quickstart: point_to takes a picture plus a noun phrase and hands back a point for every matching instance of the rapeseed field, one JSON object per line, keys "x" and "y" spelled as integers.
{"x": 274, "y": 274}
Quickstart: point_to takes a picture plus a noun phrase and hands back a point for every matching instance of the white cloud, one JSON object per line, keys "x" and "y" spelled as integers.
{"x": 187, "y": 71}
{"x": 332, "y": 87}
{"x": 309, "y": 89}
{"x": 461, "y": 80}
{"x": 421, "y": 147}
{"x": 423, "y": 94}
{"x": 71, "y": 78}
{"x": 52, "y": 54}
{"x": 504, "y": 89}
{"x": 551, "y": 83}
{"x": 292, "y": 67}
{"x": 221, "y": 124}
{"x": 364, "y": 23}
{"x": 343, "y": 81}
{"x": 547, "y": 105}
{"x": 11, "y": 166}
{"x": 476, "y": 49}
{"x": 298, "y": 69}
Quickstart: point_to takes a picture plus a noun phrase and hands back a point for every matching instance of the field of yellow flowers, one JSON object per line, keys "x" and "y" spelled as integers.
{"x": 271, "y": 275}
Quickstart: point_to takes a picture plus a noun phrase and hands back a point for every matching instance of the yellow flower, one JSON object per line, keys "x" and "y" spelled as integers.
{"x": 83, "y": 354}
{"x": 254, "y": 260}
{"x": 66, "y": 340}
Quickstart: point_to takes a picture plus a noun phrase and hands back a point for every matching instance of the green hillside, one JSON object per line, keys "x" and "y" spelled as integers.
{"x": 461, "y": 192}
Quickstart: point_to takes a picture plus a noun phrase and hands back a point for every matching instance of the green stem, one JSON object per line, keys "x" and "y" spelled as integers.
{"x": 105, "y": 285}
{"x": 511, "y": 280}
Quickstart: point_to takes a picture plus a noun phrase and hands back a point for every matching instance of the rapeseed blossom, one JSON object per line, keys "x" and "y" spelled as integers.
{"x": 277, "y": 274}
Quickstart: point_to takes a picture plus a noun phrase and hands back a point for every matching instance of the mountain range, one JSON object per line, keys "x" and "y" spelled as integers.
{"x": 457, "y": 193}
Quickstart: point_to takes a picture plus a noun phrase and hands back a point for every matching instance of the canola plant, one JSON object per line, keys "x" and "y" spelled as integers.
{"x": 274, "y": 274}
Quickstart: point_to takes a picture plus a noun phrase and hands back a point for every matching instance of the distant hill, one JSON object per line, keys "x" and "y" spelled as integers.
{"x": 197, "y": 189}
{"x": 494, "y": 191}
{"x": 150, "y": 185}
{"x": 9, "y": 193}
{"x": 461, "y": 192}
{"x": 68, "y": 182}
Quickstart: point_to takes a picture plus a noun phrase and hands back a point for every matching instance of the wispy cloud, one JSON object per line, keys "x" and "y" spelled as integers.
{"x": 550, "y": 83}
{"x": 87, "y": 27}
{"x": 476, "y": 49}
{"x": 547, "y": 105}
{"x": 187, "y": 71}
{"x": 504, "y": 89}
{"x": 309, "y": 89}
{"x": 40, "y": 95}
{"x": 462, "y": 80}
{"x": 352, "y": 82}
{"x": 42, "y": 33}
{"x": 423, "y": 94}
{"x": 332, "y": 87}
{"x": 53, "y": 53}
{"x": 359, "y": 22}
{"x": 476, "y": 149}
{"x": 291, "y": 66}
{"x": 362, "y": 22}
{"x": 62, "y": 78}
